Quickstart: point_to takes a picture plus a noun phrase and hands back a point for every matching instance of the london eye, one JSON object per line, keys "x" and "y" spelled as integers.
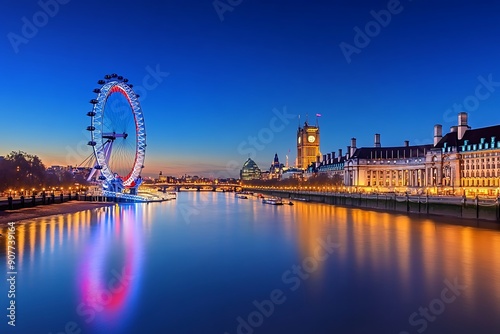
{"x": 117, "y": 135}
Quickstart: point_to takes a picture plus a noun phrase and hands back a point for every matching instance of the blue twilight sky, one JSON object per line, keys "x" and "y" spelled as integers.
{"x": 228, "y": 79}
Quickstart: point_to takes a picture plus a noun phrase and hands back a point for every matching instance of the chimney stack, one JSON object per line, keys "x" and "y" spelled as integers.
{"x": 348, "y": 152}
{"x": 462, "y": 124}
{"x": 407, "y": 143}
{"x": 377, "y": 140}
{"x": 353, "y": 147}
{"x": 438, "y": 133}
{"x": 340, "y": 153}
{"x": 333, "y": 156}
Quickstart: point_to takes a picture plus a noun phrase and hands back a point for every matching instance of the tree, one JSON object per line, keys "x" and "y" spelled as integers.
{"x": 7, "y": 174}
{"x": 20, "y": 170}
{"x": 23, "y": 170}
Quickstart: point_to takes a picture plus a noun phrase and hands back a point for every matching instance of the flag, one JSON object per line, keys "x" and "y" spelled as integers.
{"x": 318, "y": 115}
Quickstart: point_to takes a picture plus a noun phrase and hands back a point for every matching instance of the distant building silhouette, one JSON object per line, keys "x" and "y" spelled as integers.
{"x": 250, "y": 171}
{"x": 276, "y": 168}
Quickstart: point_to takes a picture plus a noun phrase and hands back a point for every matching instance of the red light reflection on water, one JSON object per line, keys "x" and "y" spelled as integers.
{"x": 110, "y": 269}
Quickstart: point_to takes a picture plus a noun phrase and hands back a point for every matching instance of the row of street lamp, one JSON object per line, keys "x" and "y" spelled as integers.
{"x": 50, "y": 190}
{"x": 355, "y": 190}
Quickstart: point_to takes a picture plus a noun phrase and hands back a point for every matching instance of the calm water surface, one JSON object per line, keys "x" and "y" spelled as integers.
{"x": 211, "y": 263}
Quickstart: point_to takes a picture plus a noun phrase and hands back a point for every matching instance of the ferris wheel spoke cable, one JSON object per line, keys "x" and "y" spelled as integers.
{"x": 88, "y": 160}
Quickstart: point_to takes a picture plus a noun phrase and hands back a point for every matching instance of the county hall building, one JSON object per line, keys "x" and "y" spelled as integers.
{"x": 464, "y": 161}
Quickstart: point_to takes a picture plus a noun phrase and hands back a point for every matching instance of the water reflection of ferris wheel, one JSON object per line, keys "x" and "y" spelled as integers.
{"x": 110, "y": 271}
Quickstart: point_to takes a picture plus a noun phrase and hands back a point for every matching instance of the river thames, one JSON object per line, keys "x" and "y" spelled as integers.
{"x": 213, "y": 263}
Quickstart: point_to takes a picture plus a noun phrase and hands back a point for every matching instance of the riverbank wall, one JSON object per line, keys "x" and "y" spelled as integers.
{"x": 49, "y": 199}
{"x": 459, "y": 207}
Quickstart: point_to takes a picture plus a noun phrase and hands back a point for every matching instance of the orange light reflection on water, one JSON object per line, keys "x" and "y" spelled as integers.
{"x": 410, "y": 247}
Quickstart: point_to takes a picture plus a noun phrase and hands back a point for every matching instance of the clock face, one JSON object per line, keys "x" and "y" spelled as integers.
{"x": 299, "y": 140}
{"x": 311, "y": 139}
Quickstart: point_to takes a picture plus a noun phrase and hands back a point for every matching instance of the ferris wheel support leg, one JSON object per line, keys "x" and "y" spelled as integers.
{"x": 92, "y": 172}
{"x": 138, "y": 182}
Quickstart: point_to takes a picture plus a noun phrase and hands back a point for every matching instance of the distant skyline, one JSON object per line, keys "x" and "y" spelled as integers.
{"x": 214, "y": 76}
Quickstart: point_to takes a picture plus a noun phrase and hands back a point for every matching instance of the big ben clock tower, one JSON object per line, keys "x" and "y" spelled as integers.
{"x": 307, "y": 145}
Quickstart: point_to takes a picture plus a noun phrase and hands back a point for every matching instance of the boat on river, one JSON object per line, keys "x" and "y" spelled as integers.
{"x": 300, "y": 199}
{"x": 272, "y": 201}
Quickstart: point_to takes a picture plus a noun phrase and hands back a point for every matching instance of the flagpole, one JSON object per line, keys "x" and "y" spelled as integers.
{"x": 317, "y": 121}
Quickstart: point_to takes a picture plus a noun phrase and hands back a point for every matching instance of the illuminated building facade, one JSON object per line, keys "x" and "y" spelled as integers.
{"x": 386, "y": 167}
{"x": 464, "y": 161}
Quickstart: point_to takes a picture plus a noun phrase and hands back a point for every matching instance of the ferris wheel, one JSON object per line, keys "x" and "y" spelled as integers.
{"x": 118, "y": 134}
